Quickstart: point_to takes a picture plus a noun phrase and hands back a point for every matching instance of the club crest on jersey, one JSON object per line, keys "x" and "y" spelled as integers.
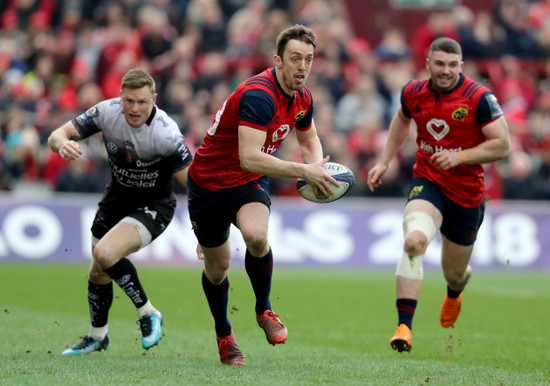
{"x": 281, "y": 133}
{"x": 129, "y": 158}
{"x": 460, "y": 114}
{"x": 438, "y": 128}
{"x": 300, "y": 115}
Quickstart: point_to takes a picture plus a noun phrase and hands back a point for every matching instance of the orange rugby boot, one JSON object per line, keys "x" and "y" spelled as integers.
{"x": 450, "y": 310}
{"x": 402, "y": 339}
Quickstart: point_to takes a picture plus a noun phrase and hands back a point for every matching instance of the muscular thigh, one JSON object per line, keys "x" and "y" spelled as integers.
{"x": 152, "y": 217}
{"x": 461, "y": 224}
{"x": 213, "y": 212}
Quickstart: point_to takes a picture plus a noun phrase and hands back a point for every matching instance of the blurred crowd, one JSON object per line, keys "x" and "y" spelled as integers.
{"x": 60, "y": 57}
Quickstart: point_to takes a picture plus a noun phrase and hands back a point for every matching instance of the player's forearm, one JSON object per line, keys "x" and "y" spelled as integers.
{"x": 311, "y": 150}
{"x": 56, "y": 139}
{"x": 398, "y": 133}
{"x": 61, "y": 135}
{"x": 489, "y": 151}
{"x": 271, "y": 166}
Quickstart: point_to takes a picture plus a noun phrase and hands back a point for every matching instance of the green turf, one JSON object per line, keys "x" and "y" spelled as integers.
{"x": 339, "y": 325}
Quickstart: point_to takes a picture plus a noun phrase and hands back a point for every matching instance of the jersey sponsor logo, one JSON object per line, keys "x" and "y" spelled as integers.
{"x": 134, "y": 178}
{"x": 144, "y": 164}
{"x": 438, "y": 128}
{"x": 123, "y": 280}
{"x": 492, "y": 101}
{"x": 415, "y": 192}
{"x": 436, "y": 149}
{"x": 87, "y": 116}
{"x": 299, "y": 116}
{"x": 460, "y": 114}
{"x": 111, "y": 147}
{"x": 281, "y": 133}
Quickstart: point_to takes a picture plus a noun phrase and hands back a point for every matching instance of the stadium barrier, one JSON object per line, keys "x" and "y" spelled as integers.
{"x": 351, "y": 232}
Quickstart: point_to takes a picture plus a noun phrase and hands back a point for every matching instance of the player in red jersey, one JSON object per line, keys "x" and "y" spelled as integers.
{"x": 228, "y": 179}
{"x": 460, "y": 126}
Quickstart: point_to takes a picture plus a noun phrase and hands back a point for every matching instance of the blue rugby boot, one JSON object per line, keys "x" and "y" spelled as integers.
{"x": 150, "y": 329}
{"x": 87, "y": 345}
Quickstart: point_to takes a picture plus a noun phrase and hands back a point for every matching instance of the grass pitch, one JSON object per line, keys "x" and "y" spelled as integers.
{"x": 339, "y": 322}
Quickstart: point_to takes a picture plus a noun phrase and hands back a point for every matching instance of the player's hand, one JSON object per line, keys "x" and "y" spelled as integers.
{"x": 374, "y": 177}
{"x": 319, "y": 179}
{"x": 70, "y": 150}
{"x": 445, "y": 160}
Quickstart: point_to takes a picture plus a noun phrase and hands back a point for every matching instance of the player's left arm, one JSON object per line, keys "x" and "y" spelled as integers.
{"x": 181, "y": 176}
{"x": 496, "y": 146}
{"x": 309, "y": 144}
{"x": 254, "y": 160}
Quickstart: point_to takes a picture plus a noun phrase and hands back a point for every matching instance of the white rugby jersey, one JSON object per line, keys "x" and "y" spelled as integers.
{"x": 142, "y": 159}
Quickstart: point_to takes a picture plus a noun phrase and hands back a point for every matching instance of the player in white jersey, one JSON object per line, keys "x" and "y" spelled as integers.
{"x": 145, "y": 150}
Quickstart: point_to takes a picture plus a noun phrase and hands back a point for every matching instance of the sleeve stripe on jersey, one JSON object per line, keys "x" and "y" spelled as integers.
{"x": 263, "y": 81}
{"x": 473, "y": 91}
{"x": 415, "y": 88}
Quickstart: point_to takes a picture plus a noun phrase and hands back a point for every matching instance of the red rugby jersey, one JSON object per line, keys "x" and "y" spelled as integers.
{"x": 216, "y": 164}
{"x": 450, "y": 121}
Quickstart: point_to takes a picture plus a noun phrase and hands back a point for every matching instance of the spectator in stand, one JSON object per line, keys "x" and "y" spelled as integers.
{"x": 393, "y": 46}
{"x": 519, "y": 181}
{"x": 475, "y": 32}
{"x": 211, "y": 24}
{"x": 21, "y": 145}
{"x": 519, "y": 35}
{"x": 80, "y": 176}
{"x": 438, "y": 24}
{"x": 362, "y": 101}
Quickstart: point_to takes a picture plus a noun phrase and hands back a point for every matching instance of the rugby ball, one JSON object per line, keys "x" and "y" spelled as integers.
{"x": 339, "y": 172}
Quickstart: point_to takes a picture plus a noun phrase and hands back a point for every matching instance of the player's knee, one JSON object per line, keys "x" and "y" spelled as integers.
{"x": 103, "y": 256}
{"x": 256, "y": 243}
{"x": 415, "y": 243}
{"x": 419, "y": 229}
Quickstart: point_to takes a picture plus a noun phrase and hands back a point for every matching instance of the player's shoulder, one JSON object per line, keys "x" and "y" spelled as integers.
{"x": 304, "y": 94}
{"x": 112, "y": 105}
{"x": 414, "y": 87}
{"x": 163, "y": 118}
{"x": 263, "y": 81}
{"x": 471, "y": 89}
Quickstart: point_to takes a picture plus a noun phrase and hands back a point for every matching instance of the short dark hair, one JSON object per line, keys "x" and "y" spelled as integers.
{"x": 296, "y": 32}
{"x": 138, "y": 78}
{"x": 447, "y": 45}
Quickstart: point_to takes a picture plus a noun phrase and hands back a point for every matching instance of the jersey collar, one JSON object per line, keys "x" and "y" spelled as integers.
{"x": 150, "y": 119}
{"x": 279, "y": 85}
{"x": 457, "y": 85}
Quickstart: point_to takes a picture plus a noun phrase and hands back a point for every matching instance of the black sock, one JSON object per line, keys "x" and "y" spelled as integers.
{"x": 100, "y": 298}
{"x": 218, "y": 297}
{"x": 125, "y": 275}
{"x": 405, "y": 311}
{"x": 452, "y": 293}
{"x": 260, "y": 270}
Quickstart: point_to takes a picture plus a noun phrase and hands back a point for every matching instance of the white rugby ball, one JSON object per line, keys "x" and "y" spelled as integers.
{"x": 339, "y": 172}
